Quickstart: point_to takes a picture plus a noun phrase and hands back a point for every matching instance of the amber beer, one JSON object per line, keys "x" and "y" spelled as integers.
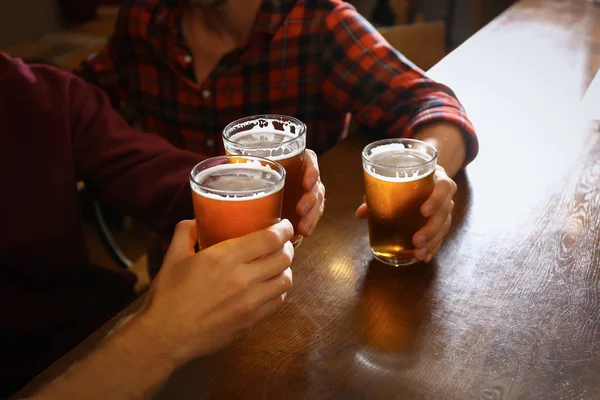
{"x": 234, "y": 196}
{"x": 398, "y": 180}
{"x": 279, "y": 138}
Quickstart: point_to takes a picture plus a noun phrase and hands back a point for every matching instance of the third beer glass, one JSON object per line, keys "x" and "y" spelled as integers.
{"x": 234, "y": 196}
{"x": 398, "y": 180}
{"x": 279, "y": 138}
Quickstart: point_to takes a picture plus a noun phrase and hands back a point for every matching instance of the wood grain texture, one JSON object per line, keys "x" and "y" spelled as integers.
{"x": 510, "y": 308}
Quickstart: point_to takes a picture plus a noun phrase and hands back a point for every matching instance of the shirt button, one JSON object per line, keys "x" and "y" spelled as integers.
{"x": 210, "y": 143}
{"x": 187, "y": 59}
{"x": 206, "y": 93}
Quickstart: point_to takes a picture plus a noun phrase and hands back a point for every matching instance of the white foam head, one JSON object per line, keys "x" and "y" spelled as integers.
{"x": 229, "y": 177}
{"x": 394, "y": 162}
{"x": 274, "y": 137}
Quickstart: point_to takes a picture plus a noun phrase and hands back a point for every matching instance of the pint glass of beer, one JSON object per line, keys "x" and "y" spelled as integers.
{"x": 398, "y": 180}
{"x": 279, "y": 138}
{"x": 234, "y": 196}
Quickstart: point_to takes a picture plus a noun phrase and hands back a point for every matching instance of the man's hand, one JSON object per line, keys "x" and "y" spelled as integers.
{"x": 197, "y": 304}
{"x": 200, "y": 302}
{"x": 438, "y": 208}
{"x": 311, "y": 205}
{"x": 450, "y": 144}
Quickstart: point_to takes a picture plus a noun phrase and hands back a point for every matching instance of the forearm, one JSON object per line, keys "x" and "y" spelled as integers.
{"x": 386, "y": 91}
{"x": 129, "y": 364}
{"x": 449, "y": 142}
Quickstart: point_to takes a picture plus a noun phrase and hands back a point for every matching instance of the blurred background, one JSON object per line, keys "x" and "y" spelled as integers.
{"x": 52, "y": 30}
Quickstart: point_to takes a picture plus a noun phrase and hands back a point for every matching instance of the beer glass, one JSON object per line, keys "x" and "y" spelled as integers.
{"x": 398, "y": 177}
{"x": 279, "y": 138}
{"x": 234, "y": 196}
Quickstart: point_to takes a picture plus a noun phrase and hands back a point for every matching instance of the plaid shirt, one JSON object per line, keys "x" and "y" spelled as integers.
{"x": 317, "y": 60}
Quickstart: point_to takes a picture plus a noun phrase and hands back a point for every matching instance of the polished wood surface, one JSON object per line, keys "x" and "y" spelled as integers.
{"x": 510, "y": 308}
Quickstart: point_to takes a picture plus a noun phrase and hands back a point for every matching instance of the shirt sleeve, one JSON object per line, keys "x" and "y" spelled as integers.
{"x": 364, "y": 75}
{"x": 138, "y": 173}
{"x": 107, "y": 68}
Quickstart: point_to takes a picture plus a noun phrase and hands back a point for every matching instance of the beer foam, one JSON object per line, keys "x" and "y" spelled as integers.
{"x": 397, "y": 148}
{"x": 389, "y": 157}
{"x": 261, "y": 142}
{"x": 258, "y": 137}
{"x": 256, "y": 176}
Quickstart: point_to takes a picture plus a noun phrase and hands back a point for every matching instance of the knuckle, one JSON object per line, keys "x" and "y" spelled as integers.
{"x": 223, "y": 261}
{"x": 314, "y": 171}
{"x": 440, "y": 173}
{"x": 272, "y": 237}
{"x": 447, "y": 184}
{"x": 321, "y": 192}
{"x": 212, "y": 258}
{"x": 427, "y": 232}
{"x": 246, "y": 307}
{"x": 312, "y": 157}
{"x": 438, "y": 196}
{"x": 240, "y": 282}
{"x": 288, "y": 253}
{"x": 314, "y": 198}
{"x": 447, "y": 225}
{"x": 286, "y": 234}
{"x": 307, "y": 227}
{"x": 286, "y": 279}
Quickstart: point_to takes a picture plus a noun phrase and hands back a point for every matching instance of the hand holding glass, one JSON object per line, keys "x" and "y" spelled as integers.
{"x": 398, "y": 177}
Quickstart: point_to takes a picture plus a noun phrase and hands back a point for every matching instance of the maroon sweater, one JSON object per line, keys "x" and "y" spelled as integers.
{"x": 55, "y": 130}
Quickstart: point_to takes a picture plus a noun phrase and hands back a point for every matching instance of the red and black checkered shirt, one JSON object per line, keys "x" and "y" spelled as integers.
{"x": 317, "y": 60}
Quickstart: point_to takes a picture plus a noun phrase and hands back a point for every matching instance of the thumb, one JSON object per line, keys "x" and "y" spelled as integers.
{"x": 183, "y": 242}
{"x": 363, "y": 210}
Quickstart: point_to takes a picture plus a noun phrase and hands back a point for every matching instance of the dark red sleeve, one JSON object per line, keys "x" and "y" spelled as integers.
{"x": 138, "y": 173}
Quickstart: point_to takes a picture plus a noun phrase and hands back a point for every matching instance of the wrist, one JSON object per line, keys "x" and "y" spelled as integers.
{"x": 157, "y": 340}
{"x": 449, "y": 141}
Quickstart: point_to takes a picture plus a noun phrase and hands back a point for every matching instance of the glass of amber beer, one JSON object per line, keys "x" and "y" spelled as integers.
{"x": 398, "y": 180}
{"x": 234, "y": 196}
{"x": 279, "y": 138}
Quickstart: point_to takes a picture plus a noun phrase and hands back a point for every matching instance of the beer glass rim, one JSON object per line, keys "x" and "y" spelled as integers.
{"x": 294, "y": 120}
{"x": 241, "y": 193}
{"x": 383, "y": 142}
